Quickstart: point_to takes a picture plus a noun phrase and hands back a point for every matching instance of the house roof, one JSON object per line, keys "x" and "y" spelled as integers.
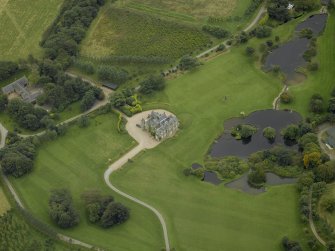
{"x": 22, "y": 82}
{"x": 19, "y": 86}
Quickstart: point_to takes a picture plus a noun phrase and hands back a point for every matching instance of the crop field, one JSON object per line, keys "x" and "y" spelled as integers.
{"x": 322, "y": 81}
{"x": 202, "y": 216}
{"x": 77, "y": 161}
{"x": 191, "y": 9}
{"x": 130, "y": 33}
{"x": 4, "y": 204}
{"x": 22, "y": 24}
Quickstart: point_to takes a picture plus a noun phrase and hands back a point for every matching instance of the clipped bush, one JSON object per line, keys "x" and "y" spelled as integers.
{"x": 269, "y": 133}
{"x": 286, "y": 97}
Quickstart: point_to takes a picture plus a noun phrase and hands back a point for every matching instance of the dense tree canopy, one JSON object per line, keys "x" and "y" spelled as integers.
{"x": 151, "y": 84}
{"x": 17, "y": 158}
{"x": 26, "y": 115}
{"x": 316, "y": 104}
{"x": 102, "y": 210}
{"x": 188, "y": 63}
{"x": 7, "y": 69}
{"x": 305, "y": 5}
{"x": 277, "y": 10}
{"x": 61, "y": 209}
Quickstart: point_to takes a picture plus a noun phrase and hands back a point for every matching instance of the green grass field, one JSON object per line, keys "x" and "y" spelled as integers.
{"x": 4, "y": 205}
{"x": 22, "y": 24}
{"x": 122, "y": 32}
{"x": 322, "y": 81}
{"x": 77, "y": 162}
{"x": 201, "y": 216}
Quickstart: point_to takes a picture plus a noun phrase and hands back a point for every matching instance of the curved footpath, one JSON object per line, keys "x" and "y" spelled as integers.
{"x": 144, "y": 142}
{"x": 311, "y": 222}
{"x": 275, "y": 103}
{"x": 260, "y": 13}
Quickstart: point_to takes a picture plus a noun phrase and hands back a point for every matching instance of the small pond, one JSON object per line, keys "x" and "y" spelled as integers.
{"x": 196, "y": 166}
{"x": 227, "y": 145}
{"x": 289, "y": 56}
{"x": 211, "y": 177}
{"x": 316, "y": 23}
{"x": 271, "y": 179}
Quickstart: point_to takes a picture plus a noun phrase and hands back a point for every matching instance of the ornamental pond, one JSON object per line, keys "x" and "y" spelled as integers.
{"x": 227, "y": 145}
{"x": 289, "y": 56}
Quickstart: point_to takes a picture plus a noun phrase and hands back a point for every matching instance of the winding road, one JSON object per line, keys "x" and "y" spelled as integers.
{"x": 145, "y": 141}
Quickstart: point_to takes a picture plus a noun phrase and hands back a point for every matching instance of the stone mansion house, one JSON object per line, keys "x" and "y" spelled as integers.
{"x": 160, "y": 125}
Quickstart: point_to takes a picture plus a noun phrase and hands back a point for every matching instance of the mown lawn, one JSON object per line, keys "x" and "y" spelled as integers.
{"x": 77, "y": 162}
{"x": 322, "y": 81}
{"x": 202, "y": 216}
{"x": 22, "y": 24}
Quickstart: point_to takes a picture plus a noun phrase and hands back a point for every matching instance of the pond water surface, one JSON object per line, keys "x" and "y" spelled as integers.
{"x": 289, "y": 56}
{"x": 271, "y": 179}
{"x": 227, "y": 145}
{"x": 211, "y": 177}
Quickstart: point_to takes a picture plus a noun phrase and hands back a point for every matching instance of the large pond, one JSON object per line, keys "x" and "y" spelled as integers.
{"x": 271, "y": 179}
{"x": 227, "y": 145}
{"x": 289, "y": 56}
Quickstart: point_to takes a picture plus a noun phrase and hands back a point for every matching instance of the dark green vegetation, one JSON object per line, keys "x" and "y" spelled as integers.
{"x": 243, "y": 132}
{"x": 228, "y": 168}
{"x": 17, "y": 159}
{"x": 269, "y": 133}
{"x": 103, "y": 210}
{"x": 7, "y": 69}
{"x": 61, "y": 209}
